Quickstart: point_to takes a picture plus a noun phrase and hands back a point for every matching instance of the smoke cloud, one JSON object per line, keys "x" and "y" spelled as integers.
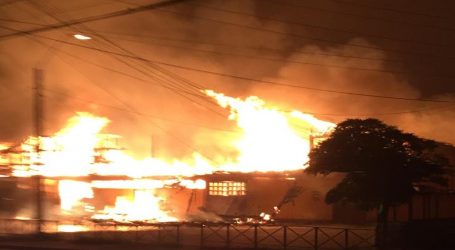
{"x": 156, "y": 116}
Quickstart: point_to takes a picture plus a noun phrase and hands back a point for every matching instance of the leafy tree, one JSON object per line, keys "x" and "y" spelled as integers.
{"x": 383, "y": 166}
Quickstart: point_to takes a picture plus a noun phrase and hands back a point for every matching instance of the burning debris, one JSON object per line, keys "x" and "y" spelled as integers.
{"x": 83, "y": 162}
{"x": 143, "y": 207}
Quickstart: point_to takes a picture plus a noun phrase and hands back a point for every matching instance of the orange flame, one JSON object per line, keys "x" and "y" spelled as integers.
{"x": 144, "y": 206}
{"x": 271, "y": 140}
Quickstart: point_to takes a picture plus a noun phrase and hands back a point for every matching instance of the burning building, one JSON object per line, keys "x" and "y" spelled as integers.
{"x": 87, "y": 175}
{"x": 285, "y": 196}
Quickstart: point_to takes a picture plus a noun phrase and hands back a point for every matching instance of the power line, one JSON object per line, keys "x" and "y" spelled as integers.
{"x": 84, "y": 7}
{"x": 237, "y": 131}
{"x": 281, "y": 33}
{"x": 242, "y": 26}
{"x": 423, "y": 110}
{"x": 133, "y": 110}
{"x": 116, "y": 71}
{"x": 313, "y": 113}
{"x": 255, "y": 57}
{"x": 251, "y": 79}
{"x": 307, "y": 112}
{"x": 291, "y": 85}
{"x": 175, "y": 86}
{"x": 366, "y": 6}
{"x": 301, "y": 37}
{"x": 179, "y": 83}
{"x": 261, "y": 49}
{"x": 186, "y": 123}
{"x": 22, "y": 22}
{"x": 134, "y": 77}
{"x": 118, "y": 99}
{"x": 299, "y": 5}
{"x": 319, "y": 27}
{"x": 289, "y": 61}
{"x": 141, "y": 113}
{"x": 170, "y": 2}
{"x": 120, "y": 72}
{"x": 119, "y": 13}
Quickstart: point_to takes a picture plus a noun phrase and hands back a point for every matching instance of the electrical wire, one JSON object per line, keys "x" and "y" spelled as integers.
{"x": 328, "y": 42}
{"x": 367, "y": 6}
{"x": 124, "y": 103}
{"x": 196, "y": 89}
{"x": 283, "y": 84}
{"x": 119, "y": 13}
{"x": 83, "y": 100}
{"x": 288, "y": 111}
{"x": 355, "y": 15}
{"x": 293, "y": 61}
{"x": 319, "y": 27}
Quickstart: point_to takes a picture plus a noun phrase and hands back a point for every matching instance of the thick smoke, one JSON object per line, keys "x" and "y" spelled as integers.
{"x": 155, "y": 119}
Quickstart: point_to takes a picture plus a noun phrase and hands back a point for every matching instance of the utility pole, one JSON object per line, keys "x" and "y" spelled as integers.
{"x": 38, "y": 77}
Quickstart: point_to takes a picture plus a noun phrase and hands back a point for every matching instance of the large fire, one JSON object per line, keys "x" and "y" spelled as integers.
{"x": 144, "y": 206}
{"x": 270, "y": 140}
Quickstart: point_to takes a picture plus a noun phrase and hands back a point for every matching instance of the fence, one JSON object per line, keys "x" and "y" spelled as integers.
{"x": 26, "y": 226}
{"x": 285, "y": 237}
{"x": 211, "y": 235}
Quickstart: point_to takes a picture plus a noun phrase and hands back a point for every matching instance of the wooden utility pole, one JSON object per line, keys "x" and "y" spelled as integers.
{"x": 38, "y": 77}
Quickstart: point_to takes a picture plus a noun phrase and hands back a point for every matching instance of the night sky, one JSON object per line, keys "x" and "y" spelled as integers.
{"x": 337, "y": 59}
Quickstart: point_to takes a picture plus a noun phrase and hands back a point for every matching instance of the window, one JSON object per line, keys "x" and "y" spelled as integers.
{"x": 227, "y": 188}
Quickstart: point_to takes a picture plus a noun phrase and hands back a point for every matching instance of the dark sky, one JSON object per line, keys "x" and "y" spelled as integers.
{"x": 390, "y": 48}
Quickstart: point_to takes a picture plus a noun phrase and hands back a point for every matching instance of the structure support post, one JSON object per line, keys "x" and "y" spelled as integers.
{"x": 38, "y": 77}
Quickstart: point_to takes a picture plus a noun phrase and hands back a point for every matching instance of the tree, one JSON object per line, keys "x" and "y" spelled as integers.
{"x": 383, "y": 166}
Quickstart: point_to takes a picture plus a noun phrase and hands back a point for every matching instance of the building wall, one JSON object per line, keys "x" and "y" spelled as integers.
{"x": 264, "y": 191}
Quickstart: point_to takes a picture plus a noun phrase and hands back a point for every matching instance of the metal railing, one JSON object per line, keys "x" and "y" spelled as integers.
{"x": 285, "y": 237}
{"x": 210, "y": 235}
{"x": 26, "y": 226}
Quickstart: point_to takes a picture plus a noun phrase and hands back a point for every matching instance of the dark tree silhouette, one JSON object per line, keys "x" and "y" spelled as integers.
{"x": 383, "y": 165}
